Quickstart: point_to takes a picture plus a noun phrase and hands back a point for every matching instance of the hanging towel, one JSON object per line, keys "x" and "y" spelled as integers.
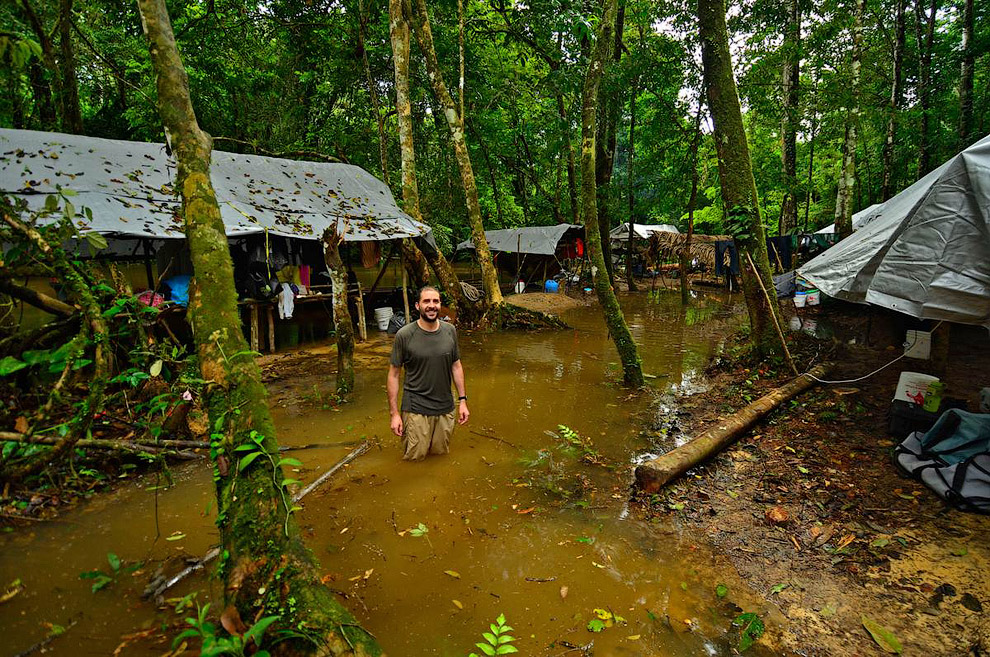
{"x": 285, "y": 302}
{"x": 371, "y": 253}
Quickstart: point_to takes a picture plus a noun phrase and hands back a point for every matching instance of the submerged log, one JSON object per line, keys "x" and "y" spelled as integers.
{"x": 655, "y": 473}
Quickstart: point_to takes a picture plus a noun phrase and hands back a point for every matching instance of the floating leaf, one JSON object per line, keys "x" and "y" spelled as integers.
{"x": 596, "y": 625}
{"x": 633, "y": 637}
{"x": 752, "y": 629}
{"x": 453, "y": 573}
{"x": 458, "y": 604}
{"x": 721, "y": 590}
{"x": 177, "y": 536}
{"x": 884, "y": 637}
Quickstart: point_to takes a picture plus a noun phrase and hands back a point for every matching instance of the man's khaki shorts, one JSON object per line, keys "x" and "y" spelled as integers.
{"x": 426, "y": 434}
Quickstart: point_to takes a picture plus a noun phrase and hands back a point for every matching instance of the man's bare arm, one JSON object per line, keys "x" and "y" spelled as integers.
{"x": 457, "y": 372}
{"x": 392, "y": 386}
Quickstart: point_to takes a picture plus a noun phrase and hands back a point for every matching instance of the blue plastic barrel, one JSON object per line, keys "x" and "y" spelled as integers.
{"x": 551, "y": 286}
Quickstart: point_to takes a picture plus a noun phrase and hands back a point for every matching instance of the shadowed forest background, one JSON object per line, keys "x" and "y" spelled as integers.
{"x": 314, "y": 80}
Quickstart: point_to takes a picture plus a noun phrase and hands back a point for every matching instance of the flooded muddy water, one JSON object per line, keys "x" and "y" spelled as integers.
{"x": 522, "y": 518}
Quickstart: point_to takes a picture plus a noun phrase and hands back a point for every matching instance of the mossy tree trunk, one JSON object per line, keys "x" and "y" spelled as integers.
{"x": 342, "y": 324}
{"x": 455, "y": 122}
{"x": 632, "y": 370}
{"x": 967, "y": 67}
{"x": 847, "y": 175}
{"x": 266, "y": 568}
{"x": 630, "y": 278}
{"x": 735, "y": 171}
{"x": 399, "y": 36}
{"x": 924, "y": 26}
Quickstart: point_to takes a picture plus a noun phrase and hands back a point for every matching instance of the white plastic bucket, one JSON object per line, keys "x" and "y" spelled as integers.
{"x": 520, "y": 287}
{"x": 382, "y": 317}
{"x": 814, "y": 297}
{"x": 800, "y": 299}
{"x": 912, "y": 386}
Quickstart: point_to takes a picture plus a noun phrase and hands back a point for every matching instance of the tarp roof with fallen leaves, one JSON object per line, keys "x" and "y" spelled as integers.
{"x": 539, "y": 240}
{"x": 640, "y": 231}
{"x": 127, "y": 186}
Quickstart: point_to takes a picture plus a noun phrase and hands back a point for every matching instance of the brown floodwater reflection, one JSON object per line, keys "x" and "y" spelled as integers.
{"x": 515, "y": 523}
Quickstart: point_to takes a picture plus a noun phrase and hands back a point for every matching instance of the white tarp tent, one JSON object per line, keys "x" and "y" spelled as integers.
{"x": 859, "y": 219}
{"x": 128, "y": 188}
{"x": 927, "y": 252}
{"x": 640, "y": 231}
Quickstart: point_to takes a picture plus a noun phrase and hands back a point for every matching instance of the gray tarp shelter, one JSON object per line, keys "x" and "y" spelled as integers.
{"x": 538, "y": 240}
{"x": 128, "y": 188}
{"x": 927, "y": 252}
{"x": 859, "y": 219}
{"x": 640, "y": 231}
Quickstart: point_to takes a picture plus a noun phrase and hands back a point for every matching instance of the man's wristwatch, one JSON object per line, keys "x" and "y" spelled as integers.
{"x": 462, "y": 398}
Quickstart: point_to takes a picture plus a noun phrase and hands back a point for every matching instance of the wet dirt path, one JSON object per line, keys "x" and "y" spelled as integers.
{"x": 515, "y": 521}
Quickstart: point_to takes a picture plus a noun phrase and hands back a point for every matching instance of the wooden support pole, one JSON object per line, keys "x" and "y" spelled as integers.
{"x": 774, "y": 311}
{"x": 405, "y": 277}
{"x": 362, "y": 320}
{"x": 255, "y": 327}
{"x": 271, "y": 327}
{"x": 655, "y": 473}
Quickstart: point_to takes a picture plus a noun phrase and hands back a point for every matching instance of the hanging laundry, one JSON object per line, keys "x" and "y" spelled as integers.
{"x": 286, "y": 301}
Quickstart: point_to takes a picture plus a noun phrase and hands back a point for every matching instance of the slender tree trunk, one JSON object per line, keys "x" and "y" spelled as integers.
{"x": 47, "y": 117}
{"x": 887, "y": 184}
{"x": 376, "y": 106}
{"x": 342, "y": 322}
{"x": 685, "y": 255}
{"x": 847, "y": 175}
{"x": 739, "y": 198}
{"x": 966, "y": 77}
{"x": 572, "y": 188}
{"x": 49, "y": 59}
{"x": 605, "y": 140}
{"x": 789, "y": 120}
{"x": 72, "y": 119}
{"x": 266, "y": 567}
{"x": 632, "y": 369}
{"x": 399, "y": 35}
{"x": 455, "y": 122}
{"x": 416, "y": 264}
{"x": 630, "y": 278}
{"x": 926, "y": 42}
{"x": 811, "y": 151}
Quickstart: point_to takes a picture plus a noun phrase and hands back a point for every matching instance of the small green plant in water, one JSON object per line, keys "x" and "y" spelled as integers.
{"x": 751, "y": 629}
{"x": 498, "y": 641}
{"x": 104, "y": 579}
{"x": 215, "y": 645}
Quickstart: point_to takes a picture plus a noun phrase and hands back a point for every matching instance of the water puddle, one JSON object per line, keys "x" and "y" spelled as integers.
{"x": 518, "y": 520}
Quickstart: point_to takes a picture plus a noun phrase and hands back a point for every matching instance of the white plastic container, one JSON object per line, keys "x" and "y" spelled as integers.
{"x": 814, "y": 297}
{"x": 800, "y": 299}
{"x": 912, "y": 386}
{"x": 382, "y": 317}
{"x": 918, "y": 344}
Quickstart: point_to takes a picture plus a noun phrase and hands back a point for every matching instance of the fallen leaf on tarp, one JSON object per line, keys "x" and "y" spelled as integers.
{"x": 883, "y": 637}
{"x": 457, "y": 603}
{"x": 453, "y": 573}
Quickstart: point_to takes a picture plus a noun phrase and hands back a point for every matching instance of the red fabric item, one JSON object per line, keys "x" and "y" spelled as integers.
{"x": 579, "y": 246}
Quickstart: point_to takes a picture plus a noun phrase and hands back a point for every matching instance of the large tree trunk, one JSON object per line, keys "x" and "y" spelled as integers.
{"x": 739, "y": 198}
{"x": 789, "y": 120}
{"x": 265, "y": 559}
{"x": 685, "y": 255}
{"x": 887, "y": 184}
{"x": 455, "y": 122}
{"x": 632, "y": 369}
{"x": 399, "y": 35}
{"x": 926, "y": 41}
{"x": 630, "y": 278}
{"x": 342, "y": 323}
{"x": 966, "y": 77}
{"x": 847, "y": 175}
{"x": 811, "y": 150}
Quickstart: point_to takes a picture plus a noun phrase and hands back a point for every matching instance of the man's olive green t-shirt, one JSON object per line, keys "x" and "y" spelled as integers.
{"x": 427, "y": 358}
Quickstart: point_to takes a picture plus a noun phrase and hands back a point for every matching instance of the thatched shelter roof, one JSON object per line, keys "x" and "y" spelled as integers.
{"x": 668, "y": 246}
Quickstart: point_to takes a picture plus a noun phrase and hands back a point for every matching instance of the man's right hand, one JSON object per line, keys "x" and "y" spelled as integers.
{"x": 397, "y": 427}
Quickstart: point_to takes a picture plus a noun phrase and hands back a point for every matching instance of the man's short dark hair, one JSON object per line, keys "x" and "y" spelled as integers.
{"x": 419, "y": 295}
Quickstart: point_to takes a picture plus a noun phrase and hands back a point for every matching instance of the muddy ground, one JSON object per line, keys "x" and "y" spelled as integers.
{"x": 810, "y": 509}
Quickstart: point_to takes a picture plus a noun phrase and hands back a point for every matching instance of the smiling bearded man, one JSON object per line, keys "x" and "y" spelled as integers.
{"x": 427, "y": 350}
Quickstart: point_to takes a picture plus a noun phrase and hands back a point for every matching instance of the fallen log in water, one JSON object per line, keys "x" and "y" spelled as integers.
{"x": 655, "y": 473}
{"x": 157, "y": 587}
